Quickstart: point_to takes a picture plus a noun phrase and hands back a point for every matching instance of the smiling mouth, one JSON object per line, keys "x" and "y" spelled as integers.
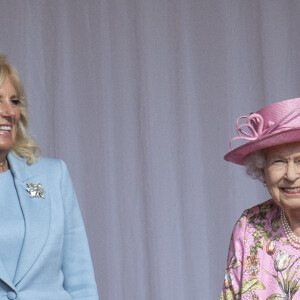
{"x": 291, "y": 190}
{"x": 5, "y": 128}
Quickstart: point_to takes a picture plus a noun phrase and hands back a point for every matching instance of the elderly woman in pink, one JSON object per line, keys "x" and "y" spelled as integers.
{"x": 264, "y": 253}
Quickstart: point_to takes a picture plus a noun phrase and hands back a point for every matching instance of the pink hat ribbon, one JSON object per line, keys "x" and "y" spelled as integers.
{"x": 255, "y": 124}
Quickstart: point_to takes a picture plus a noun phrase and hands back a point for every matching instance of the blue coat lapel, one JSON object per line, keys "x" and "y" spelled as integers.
{"x": 4, "y": 276}
{"x": 36, "y": 212}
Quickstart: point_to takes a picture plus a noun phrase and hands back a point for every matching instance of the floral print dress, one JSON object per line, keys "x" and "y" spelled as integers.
{"x": 261, "y": 263}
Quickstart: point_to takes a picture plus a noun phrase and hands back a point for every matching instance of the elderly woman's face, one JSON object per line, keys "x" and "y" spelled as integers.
{"x": 9, "y": 116}
{"x": 282, "y": 174}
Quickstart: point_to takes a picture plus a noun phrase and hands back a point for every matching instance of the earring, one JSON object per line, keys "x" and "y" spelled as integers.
{"x": 265, "y": 184}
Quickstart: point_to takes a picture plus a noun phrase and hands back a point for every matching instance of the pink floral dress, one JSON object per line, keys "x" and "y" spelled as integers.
{"x": 261, "y": 263}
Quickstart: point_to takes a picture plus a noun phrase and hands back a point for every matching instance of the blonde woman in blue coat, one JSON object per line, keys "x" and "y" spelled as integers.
{"x": 44, "y": 253}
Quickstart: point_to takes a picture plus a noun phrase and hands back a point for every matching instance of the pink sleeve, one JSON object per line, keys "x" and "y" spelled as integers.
{"x": 235, "y": 260}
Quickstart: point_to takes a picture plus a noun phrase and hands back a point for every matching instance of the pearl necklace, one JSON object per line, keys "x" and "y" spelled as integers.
{"x": 292, "y": 238}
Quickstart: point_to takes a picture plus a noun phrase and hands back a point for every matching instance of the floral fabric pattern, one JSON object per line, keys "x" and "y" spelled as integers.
{"x": 261, "y": 263}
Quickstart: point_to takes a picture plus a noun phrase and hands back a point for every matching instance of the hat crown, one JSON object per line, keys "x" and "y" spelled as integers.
{"x": 276, "y": 124}
{"x": 284, "y": 114}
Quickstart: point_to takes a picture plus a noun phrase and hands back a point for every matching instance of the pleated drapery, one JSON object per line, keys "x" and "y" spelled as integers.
{"x": 140, "y": 99}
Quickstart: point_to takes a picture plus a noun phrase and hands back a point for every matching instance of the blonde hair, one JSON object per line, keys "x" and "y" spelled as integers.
{"x": 24, "y": 146}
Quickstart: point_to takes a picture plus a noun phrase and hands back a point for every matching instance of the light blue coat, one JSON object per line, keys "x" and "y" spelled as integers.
{"x": 55, "y": 261}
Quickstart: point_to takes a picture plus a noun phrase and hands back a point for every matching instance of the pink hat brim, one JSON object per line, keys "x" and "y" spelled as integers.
{"x": 238, "y": 155}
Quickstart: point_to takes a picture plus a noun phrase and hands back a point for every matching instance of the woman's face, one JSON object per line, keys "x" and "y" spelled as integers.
{"x": 9, "y": 116}
{"x": 282, "y": 175}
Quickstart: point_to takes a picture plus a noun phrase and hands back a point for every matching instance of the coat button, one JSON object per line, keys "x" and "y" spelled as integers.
{"x": 11, "y": 295}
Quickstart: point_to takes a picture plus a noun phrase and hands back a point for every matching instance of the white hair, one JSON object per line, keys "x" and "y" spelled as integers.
{"x": 255, "y": 163}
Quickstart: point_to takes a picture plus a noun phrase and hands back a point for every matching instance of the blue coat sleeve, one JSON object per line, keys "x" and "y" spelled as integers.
{"x": 77, "y": 265}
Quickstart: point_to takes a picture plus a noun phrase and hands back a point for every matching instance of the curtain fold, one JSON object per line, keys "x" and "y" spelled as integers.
{"x": 140, "y": 98}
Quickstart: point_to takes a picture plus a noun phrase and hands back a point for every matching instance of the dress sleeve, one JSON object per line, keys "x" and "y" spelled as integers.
{"x": 234, "y": 267}
{"x": 77, "y": 265}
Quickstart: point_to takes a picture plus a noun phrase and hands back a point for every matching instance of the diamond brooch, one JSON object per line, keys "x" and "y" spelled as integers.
{"x": 35, "y": 190}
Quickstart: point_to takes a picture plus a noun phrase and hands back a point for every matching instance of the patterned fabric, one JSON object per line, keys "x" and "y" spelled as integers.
{"x": 261, "y": 262}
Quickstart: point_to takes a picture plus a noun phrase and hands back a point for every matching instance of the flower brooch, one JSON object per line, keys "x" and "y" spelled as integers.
{"x": 35, "y": 190}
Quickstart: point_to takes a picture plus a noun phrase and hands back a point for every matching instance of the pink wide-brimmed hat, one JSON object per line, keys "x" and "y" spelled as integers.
{"x": 276, "y": 124}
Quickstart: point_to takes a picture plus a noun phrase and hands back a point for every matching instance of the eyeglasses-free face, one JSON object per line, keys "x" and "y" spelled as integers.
{"x": 9, "y": 116}
{"x": 282, "y": 175}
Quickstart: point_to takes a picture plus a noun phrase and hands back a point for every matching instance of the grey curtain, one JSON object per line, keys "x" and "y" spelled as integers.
{"x": 140, "y": 98}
